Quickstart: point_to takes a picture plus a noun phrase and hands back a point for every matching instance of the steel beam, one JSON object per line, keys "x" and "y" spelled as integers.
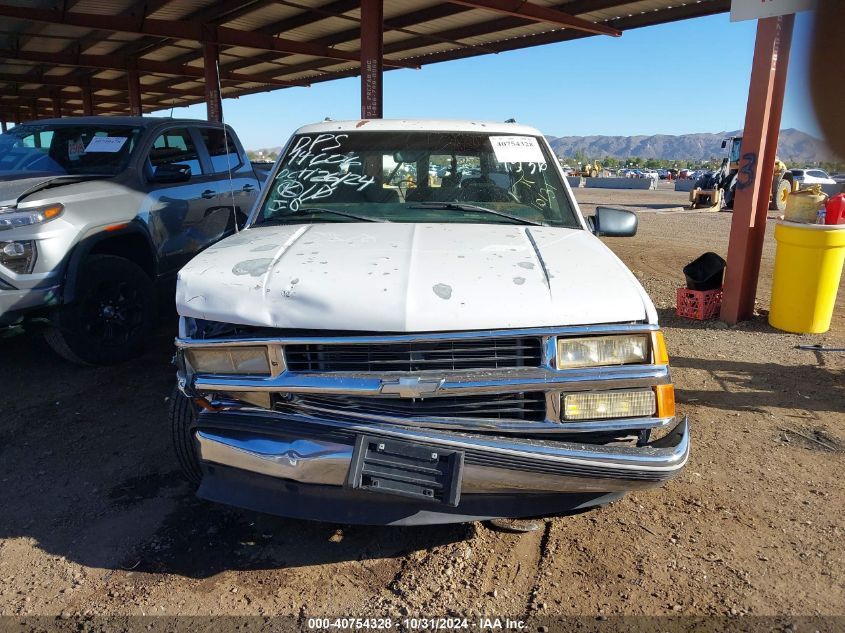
{"x": 183, "y": 30}
{"x": 538, "y": 13}
{"x": 756, "y": 166}
{"x": 110, "y": 62}
{"x": 624, "y": 23}
{"x": 98, "y": 84}
{"x": 214, "y": 105}
{"x": 372, "y": 69}
{"x": 3, "y": 127}
{"x": 133, "y": 83}
{"x": 87, "y": 98}
{"x": 57, "y": 104}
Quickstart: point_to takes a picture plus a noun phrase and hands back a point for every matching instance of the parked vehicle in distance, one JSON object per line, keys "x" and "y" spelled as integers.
{"x": 262, "y": 168}
{"x": 96, "y": 213}
{"x": 811, "y": 177}
{"x": 838, "y": 177}
{"x": 368, "y": 352}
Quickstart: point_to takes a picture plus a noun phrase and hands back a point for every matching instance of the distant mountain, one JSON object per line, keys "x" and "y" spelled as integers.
{"x": 794, "y": 146}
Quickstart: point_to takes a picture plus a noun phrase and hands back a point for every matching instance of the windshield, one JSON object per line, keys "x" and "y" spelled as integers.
{"x": 67, "y": 149}
{"x": 465, "y": 177}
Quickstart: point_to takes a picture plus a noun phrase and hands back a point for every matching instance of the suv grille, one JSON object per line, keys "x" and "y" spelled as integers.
{"x": 529, "y": 406}
{"x": 491, "y": 353}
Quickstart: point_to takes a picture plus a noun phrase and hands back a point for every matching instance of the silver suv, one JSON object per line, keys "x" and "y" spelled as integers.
{"x": 97, "y": 212}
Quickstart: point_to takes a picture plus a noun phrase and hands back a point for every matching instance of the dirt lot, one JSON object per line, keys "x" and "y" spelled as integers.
{"x": 96, "y": 519}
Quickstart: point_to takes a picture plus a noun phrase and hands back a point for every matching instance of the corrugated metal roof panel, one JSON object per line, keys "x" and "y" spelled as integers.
{"x": 180, "y": 9}
{"x": 431, "y": 31}
{"x": 263, "y": 16}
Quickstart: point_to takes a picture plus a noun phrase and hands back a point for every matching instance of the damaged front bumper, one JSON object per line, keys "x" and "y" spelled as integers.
{"x": 312, "y": 468}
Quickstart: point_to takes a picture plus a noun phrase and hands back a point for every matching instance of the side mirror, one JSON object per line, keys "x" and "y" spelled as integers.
{"x": 610, "y": 222}
{"x": 172, "y": 173}
{"x": 724, "y": 144}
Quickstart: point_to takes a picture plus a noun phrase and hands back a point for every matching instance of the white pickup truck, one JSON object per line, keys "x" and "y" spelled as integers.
{"x": 384, "y": 345}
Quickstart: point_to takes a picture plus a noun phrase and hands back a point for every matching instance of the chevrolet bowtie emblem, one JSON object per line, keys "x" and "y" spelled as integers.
{"x": 411, "y": 387}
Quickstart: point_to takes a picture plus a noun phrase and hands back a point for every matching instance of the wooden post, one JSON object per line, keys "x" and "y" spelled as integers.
{"x": 372, "y": 59}
{"x": 756, "y": 166}
{"x": 213, "y": 99}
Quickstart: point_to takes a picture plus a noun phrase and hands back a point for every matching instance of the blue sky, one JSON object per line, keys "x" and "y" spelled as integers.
{"x": 690, "y": 76}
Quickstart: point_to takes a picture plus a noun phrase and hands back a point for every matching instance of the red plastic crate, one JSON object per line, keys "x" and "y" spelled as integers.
{"x": 698, "y": 304}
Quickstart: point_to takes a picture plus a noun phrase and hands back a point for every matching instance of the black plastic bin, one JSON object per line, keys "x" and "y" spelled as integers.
{"x": 705, "y": 273}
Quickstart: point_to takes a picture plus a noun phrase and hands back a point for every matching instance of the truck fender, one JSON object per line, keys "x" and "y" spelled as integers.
{"x": 84, "y": 247}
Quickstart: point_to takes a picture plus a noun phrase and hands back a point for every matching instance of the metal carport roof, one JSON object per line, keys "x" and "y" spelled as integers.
{"x": 66, "y": 58}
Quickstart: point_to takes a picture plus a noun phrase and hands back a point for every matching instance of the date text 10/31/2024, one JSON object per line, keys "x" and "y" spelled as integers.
{"x": 415, "y": 624}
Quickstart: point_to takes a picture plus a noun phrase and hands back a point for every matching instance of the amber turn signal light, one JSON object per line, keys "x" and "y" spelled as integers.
{"x": 658, "y": 346}
{"x": 665, "y": 401}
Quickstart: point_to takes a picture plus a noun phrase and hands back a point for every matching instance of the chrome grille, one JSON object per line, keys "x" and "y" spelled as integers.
{"x": 530, "y": 406}
{"x": 491, "y": 353}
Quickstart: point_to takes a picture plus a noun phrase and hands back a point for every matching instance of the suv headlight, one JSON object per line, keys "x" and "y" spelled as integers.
{"x": 229, "y": 360}
{"x": 19, "y": 257}
{"x": 28, "y": 217}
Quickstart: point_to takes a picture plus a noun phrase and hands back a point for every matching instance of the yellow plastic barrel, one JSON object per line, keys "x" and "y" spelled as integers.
{"x": 808, "y": 266}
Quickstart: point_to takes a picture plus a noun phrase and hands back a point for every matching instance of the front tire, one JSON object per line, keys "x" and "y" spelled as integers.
{"x": 183, "y": 417}
{"x": 780, "y": 194}
{"x": 111, "y": 317}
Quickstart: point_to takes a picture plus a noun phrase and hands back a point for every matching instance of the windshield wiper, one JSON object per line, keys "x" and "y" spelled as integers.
{"x": 471, "y": 208}
{"x": 319, "y": 210}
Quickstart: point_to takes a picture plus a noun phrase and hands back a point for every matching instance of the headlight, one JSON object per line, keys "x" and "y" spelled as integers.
{"x": 19, "y": 257}
{"x": 229, "y": 360}
{"x": 609, "y": 404}
{"x": 599, "y": 351}
{"x": 38, "y": 215}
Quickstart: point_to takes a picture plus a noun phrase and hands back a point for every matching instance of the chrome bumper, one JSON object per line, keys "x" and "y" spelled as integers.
{"x": 310, "y": 452}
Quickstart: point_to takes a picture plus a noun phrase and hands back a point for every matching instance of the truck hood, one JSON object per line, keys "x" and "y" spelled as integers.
{"x": 15, "y": 185}
{"x": 392, "y": 277}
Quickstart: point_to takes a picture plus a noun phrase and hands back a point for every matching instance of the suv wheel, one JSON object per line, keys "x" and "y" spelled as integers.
{"x": 111, "y": 317}
{"x": 183, "y": 415}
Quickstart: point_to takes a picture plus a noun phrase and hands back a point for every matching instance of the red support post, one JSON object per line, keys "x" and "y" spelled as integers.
{"x": 756, "y": 166}
{"x": 372, "y": 59}
{"x": 134, "y": 82}
{"x": 213, "y": 99}
{"x": 87, "y": 98}
{"x": 3, "y": 127}
{"x": 34, "y": 108}
{"x": 56, "y": 98}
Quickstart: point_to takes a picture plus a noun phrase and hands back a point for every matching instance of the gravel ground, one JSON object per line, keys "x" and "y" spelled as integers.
{"x": 96, "y": 519}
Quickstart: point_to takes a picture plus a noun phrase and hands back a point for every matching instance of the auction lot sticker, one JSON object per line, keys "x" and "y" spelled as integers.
{"x": 517, "y": 149}
{"x": 105, "y": 144}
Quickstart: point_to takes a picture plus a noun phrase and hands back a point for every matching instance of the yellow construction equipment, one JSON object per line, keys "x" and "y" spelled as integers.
{"x": 588, "y": 170}
{"x": 710, "y": 189}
